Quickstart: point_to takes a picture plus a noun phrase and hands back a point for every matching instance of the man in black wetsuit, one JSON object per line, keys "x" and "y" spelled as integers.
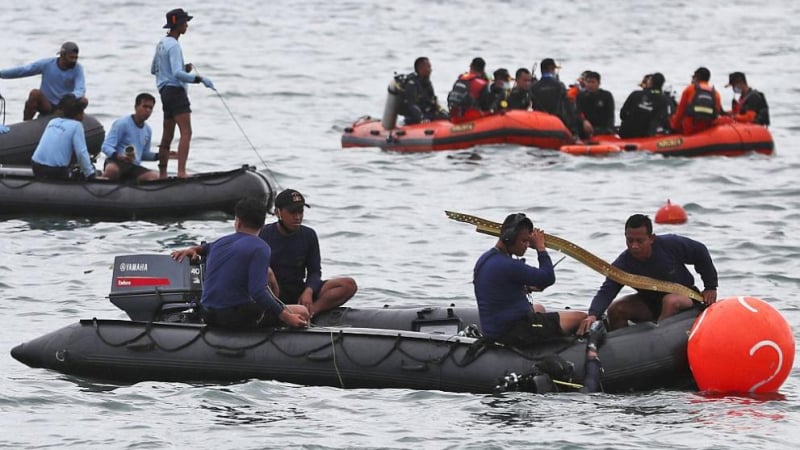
{"x": 550, "y": 95}
{"x": 595, "y": 107}
{"x": 520, "y": 95}
{"x": 646, "y": 112}
{"x": 419, "y": 99}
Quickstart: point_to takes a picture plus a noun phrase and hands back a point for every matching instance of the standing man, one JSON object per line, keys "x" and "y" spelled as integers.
{"x": 172, "y": 75}
{"x": 661, "y": 257}
{"x": 751, "y": 105}
{"x": 419, "y": 99}
{"x": 128, "y": 144}
{"x": 700, "y": 104}
{"x": 503, "y": 282}
{"x": 550, "y": 95}
{"x": 296, "y": 259}
{"x": 62, "y": 139}
{"x": 595, "y": 107}
{"x": 60, "y": 76}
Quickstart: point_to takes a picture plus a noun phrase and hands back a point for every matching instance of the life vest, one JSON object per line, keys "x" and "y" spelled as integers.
{"x": 703, "y": 106}
{"x": 460, "y": 95}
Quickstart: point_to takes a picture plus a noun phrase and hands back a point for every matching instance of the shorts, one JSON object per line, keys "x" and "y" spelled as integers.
{"x": 43, "y": 171}
{"x": 247, "y": 316}
{"x": 533, "y": 329}
{"x": 127, "y": 170}
{"x": 174, "y": 101}
{"x": 654, "y": 301}
{"x": 290, "y": 293}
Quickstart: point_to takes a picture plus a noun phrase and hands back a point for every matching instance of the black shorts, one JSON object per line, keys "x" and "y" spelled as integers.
{"x": 290, "y": 293}
{"x": 654, "y": 301}
{"x": 127, "y": 170}
{"x": 248, "y": 316}
{"x": 43, "y": 171}
{"x": 174, "y": 101}
{"x": 533, "y": 329}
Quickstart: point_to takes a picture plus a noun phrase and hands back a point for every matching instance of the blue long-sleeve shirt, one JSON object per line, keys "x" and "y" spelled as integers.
{"x": 56, "y": 82}
{"x": 61, "y": 139}
{"x": 670, "y": 254}
{"x": 124, "y": 132}
{"x": 501, "y": 288}
{"x": 236, "y": 273}
{"x": 296, "y": 257}
{"x": 168, "y": 65}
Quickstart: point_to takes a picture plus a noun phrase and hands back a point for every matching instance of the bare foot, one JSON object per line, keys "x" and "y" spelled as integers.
{"x": 183, "y": 175}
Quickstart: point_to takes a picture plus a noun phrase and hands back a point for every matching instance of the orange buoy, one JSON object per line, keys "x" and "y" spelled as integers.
{"x": 590, "y": 149}
{"x": 671, "y": 214}
{"x": 741, "y": 344}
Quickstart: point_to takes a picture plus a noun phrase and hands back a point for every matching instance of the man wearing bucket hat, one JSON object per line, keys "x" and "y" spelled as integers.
{"x": 751, "y": 105}
{"x": 172, "y": 75}
{"x": 61, "y": 75}
{"x": 296, "y": 259}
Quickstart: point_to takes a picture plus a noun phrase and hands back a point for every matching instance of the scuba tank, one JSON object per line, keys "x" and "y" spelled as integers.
{"x": 394, "y": 98}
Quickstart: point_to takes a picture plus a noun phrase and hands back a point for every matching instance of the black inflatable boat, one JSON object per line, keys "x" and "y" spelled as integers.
{"x": 22, "y": 194}
{"x": 411, "y": 348}
{"x": 17, "y": 146}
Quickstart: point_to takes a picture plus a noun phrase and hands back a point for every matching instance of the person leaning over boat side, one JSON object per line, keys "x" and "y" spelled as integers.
{"x": 235, "y": 288}
{"x": 128, "y": 143}
{"x": 550, "y": 95}
{"x": 595, "y": 107}
{"x": 503, "y": 282}
{"x": 661, "y": 257}
{"x": 520, "y": 95}
{"x": 60, "y": 76}
{"x": 646, "y": 111}
{"x": 751, "y": 105}
{"x": 469, "y": 96}
{"x": 62, "y": 138}
{"x": 172, "y": 75}
{"x": 699, "y": 106}
{"x": 296, "y": 262}
{"x": 419, "y": 99}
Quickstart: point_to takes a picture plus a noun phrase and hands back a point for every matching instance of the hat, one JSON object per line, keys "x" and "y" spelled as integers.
{"x": 68, "y": 48}
{"x": 177, "y": 17}
{"x": 548, "y": 64}
{"x": 502, "y": 74}
{"x": 290, "y": 199}
{"x": 734, "y": 77}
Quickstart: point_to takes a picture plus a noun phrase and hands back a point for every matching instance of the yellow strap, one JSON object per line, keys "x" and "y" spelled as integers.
{"x": 620, "y": 276}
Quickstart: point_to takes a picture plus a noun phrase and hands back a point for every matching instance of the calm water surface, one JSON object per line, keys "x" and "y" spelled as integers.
{"x": 294, "y": 74}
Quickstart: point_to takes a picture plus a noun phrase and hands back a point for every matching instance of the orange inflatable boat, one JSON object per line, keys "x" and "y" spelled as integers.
{"x": 526, "y": 128}
{"x": 727, "y": 138}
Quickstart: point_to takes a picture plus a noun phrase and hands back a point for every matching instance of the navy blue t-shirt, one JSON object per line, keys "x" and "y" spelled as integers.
{"x": 295, "y": 257}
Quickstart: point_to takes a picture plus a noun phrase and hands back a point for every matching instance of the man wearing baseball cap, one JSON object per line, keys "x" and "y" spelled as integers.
{"x": 172, "y": 75}
{"x": 296, "y": 259}
{"x": 61, "y": 75}
{"x": 751, "y": 105}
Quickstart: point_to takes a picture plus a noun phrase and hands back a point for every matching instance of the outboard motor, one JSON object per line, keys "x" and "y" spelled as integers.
{"x": 155, "y": 287}
{"x": 394, "y": 99}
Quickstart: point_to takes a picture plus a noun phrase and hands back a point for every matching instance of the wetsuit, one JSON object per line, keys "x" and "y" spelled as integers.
{"x": 751, "y": 107}
{"x": 519, "y": 99}
{"x": 295, "y": 261}
{"x": 644, "y": 113}
{"x": 419, "y": 100}
{"x": 670, "y": 254}
{"x": 550, "y": 95}
{"x": 598, "y": 108}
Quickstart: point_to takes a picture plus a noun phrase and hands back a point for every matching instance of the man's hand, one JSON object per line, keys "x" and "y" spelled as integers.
{"x": 292, "y": 319}
{"x": 191, "y": 253}
{"x": 710, "y": 296}
{"x": 586, "y": 323}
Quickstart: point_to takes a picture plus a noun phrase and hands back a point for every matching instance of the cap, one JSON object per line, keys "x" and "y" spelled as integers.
{"x": 68, "y": 48}
{"x": 291, "y": 200}
{"x": 734, "y": 77}
{"x": 548, "y": 64}
{"x": 177, "y": 17}
{"x": 502, "y": 74}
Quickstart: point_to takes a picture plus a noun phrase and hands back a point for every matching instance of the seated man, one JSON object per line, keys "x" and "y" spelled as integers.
{"x": 469, "y": 96}
{"x": 751, "y": 105}
{"x": 60, "y": 76}
{"x": 645, "y": 112}
{"x": 128, "y": 143}
{"x": 595, "y": 107}
{"x": 520, "y": 95}
{"x": 419, "y": 98}
{"x": 499, "y": 90}
{"x": 503, "y": 282}
{"x": 700, "y": 104}
{"x": 296, "y": 259}
{"x": 661, "y": 257}
{"x": 62, "y": 138}
{"x": 235, "y": 293}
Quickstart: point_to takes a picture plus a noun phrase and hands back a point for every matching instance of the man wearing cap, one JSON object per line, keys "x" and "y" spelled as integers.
{"x": 60, "y": 76}
{"x": 296, "y": 259}
{"x": 699, "y": 106}
{"x": 172, "y": 75}
{"x": 645, "y": 112}
{"x": 419, "y": 99}
{"x": 751, "y": 105}
{"x": 550, "y": 95}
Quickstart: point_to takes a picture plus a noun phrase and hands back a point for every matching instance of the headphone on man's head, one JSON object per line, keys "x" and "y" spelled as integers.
{"x": 511, "y": 226}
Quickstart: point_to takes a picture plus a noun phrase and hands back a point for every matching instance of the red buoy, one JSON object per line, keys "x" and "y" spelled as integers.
{"x": 741, "y": 344}
{"x": 671, "y": 214}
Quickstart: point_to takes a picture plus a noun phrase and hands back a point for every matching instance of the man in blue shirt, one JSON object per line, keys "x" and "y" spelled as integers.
{"x": 661, "y": 257}
{"x": 296, "y": 259}
{"x": 128, "y": 144}
{"x": 62, "y": 138}
{"x": 502, "y": 284}
{"x": 172, "y": 75}
{"x": 235, "y": 293}
{"x": 60, "y": 76}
